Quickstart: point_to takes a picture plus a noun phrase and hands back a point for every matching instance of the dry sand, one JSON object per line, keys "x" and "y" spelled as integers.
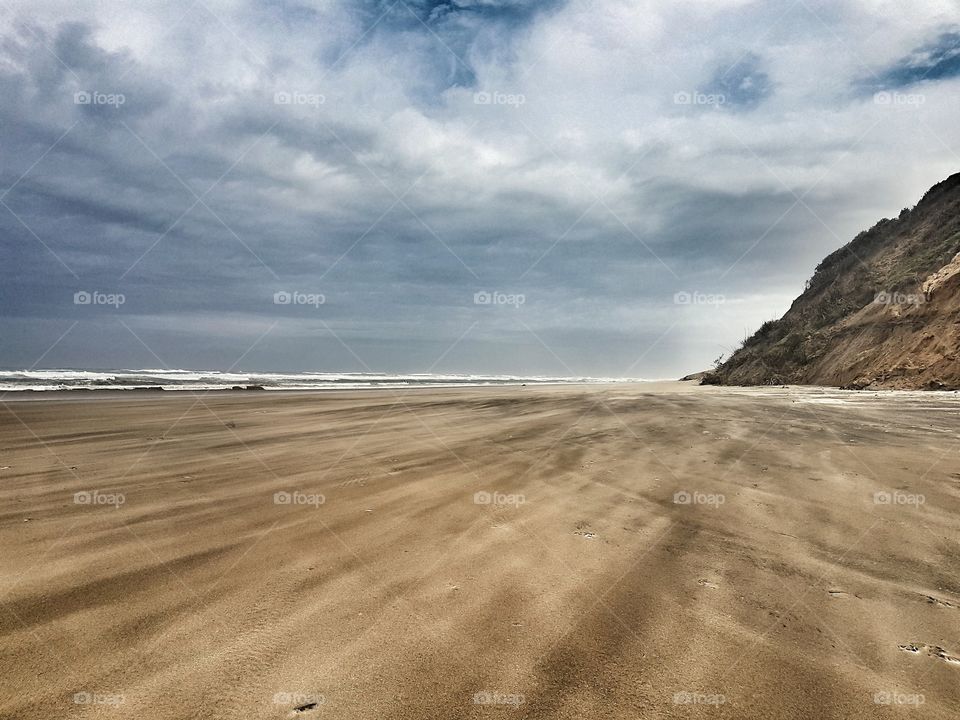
{"x": 400, "y": 596}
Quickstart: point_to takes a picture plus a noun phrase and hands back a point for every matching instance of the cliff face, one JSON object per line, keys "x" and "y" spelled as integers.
{"x": 883, "y": 311}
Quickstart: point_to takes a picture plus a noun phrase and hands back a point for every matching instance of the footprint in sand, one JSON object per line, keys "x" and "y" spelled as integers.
{"x": 930, "y": 651}
{"x": 306, "y": 707}
{"x": 307, "y": 704}
{"x": 584, "y": 531}
{"x": 707, "y": 584}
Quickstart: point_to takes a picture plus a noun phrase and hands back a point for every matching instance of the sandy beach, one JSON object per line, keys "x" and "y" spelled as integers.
{"x": 628, "y": 551}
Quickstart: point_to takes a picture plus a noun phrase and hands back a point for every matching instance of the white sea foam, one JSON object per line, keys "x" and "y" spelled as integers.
{"x": 179, "y": 379}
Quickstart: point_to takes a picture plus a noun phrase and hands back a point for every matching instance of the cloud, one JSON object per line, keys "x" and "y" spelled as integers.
{"x": 449, "y": 36}
{"x": 936, "y": 60}
{"x": 742, "y": 85}
{"x": 305, "y": 146}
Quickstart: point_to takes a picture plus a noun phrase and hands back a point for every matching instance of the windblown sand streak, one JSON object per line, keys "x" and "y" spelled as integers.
{"x": 635, "y": 551}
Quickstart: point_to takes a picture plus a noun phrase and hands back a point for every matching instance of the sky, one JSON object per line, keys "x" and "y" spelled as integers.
{"x": 538, "y": 187}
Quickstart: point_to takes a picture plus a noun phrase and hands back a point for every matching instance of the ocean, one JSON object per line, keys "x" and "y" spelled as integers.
{"x": 19, "y": 380}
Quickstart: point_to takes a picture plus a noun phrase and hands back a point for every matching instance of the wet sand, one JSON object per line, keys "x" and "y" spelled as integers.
{"x": 637, "y": 551}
